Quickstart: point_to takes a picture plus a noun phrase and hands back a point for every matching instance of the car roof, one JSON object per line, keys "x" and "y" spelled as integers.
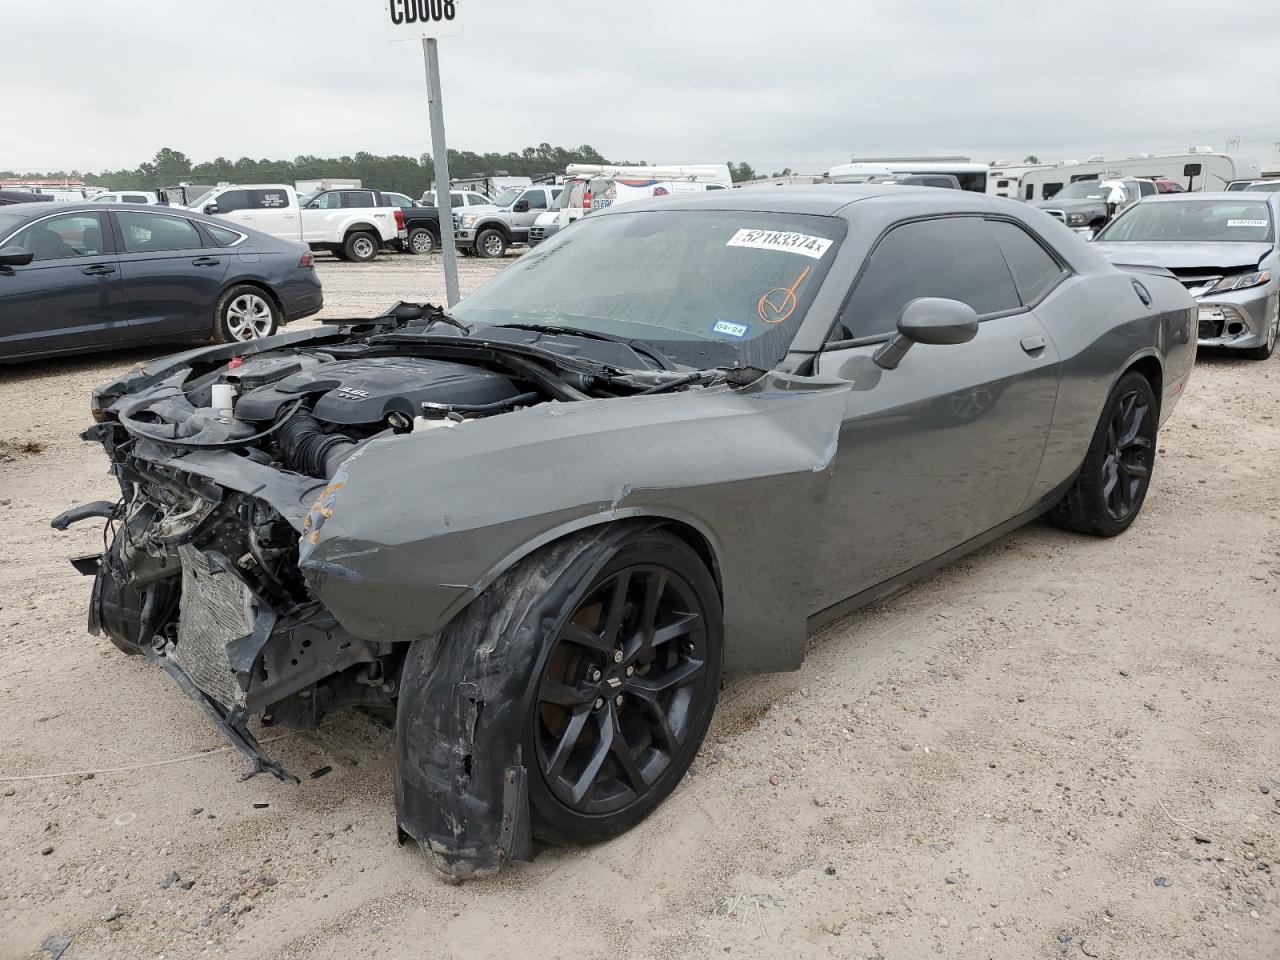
{"x": 1202, "y": 195}
{"x": 828, "y": 200}
{"x": 822, "y": 200}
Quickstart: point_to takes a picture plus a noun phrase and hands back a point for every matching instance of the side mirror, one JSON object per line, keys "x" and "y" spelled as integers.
{"x": 210, "y": 208}
{"x": 522, "y": 206}
{"x": 15, "y": 256}
{"x": 933, "y": 320}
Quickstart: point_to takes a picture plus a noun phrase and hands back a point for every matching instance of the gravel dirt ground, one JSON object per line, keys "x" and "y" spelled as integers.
{"x": 1059, "y": 746}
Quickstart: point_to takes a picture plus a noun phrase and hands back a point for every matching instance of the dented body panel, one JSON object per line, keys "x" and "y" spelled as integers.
{"x": 414, "y": 528}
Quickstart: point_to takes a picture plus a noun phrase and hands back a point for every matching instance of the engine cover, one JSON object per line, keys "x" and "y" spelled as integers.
{"x": 364, "y": 391}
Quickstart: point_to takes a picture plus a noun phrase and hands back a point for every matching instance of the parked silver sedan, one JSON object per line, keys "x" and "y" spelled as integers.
{"x": 1223, "y": 247}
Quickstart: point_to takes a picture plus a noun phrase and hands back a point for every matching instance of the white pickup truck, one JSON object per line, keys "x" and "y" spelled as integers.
{"x": 354, "y": 224}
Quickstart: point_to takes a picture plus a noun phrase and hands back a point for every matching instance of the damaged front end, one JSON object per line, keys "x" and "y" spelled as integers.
{"x": 302, "y": 520}
{"x": 203, "y": 581}
{"x": 223, "y": 456}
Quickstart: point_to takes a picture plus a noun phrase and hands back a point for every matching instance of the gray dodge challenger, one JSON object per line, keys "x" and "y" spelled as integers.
{"x": 535, "y": 531}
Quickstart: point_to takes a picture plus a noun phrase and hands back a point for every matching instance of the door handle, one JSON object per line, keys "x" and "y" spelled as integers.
{"x": 98, "y": 270}
{"x": 1033, "y": 344}
{"x": 205, "y": 262}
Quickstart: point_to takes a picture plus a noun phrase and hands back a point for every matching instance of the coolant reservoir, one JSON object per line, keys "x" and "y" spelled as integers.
{"x": 222, "y": 397}
{"x": 431, "y": 423}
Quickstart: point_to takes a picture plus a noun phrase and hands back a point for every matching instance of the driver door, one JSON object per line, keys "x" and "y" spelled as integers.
{"x": 946, "y": 446}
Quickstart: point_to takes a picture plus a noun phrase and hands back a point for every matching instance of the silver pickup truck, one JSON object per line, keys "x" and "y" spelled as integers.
{"x": 490, "y": 229}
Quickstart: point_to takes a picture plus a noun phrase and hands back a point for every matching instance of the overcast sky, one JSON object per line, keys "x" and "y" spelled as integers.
{"x": 799, "y": 83}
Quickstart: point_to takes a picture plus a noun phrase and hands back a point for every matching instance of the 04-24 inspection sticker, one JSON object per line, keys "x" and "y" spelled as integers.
{"x": 800, "y": 243}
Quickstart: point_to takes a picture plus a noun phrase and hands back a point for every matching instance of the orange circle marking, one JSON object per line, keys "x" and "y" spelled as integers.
{"x": 780, "y": 303}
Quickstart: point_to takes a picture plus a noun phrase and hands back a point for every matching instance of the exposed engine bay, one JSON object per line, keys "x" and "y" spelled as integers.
{"x": 221, "y": 454}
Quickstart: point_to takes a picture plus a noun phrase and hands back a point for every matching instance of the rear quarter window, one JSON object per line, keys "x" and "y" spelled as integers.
{"x": 1034, "y": 269}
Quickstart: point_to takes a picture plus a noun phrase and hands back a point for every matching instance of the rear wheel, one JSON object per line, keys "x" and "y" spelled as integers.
{"x": 421, "y": 241}
{"x": 626, "y": 691}
{"x": 491, "y": 244}
{"x": 244, "y": 313}
{"x": 1268, "y": 338}
{"x": 1112, "y": 485}
{"x": 360, "y": 247}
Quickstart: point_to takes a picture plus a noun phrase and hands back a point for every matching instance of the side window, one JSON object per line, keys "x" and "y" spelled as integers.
{"x": 1034, "y": 269}
{"x": 106, "y": 198}
{"x": 1146, "y": 188}
{"x": 61, "y": 238}
{"x": 149, "y": 233}
{"x": 398, "y": 200}
{"x": 537, "y": 199}
{"x": 357, "y": 199}
{"x": 268, "y": 199}
{"x": 555, "y": 194}
{"x": 716, "y": 186}
{"x": 232, "y": 201}
{"x": 222, "y": 236}
{"x": 329, "y": 201}
{"x": 133, "y": 198}
{"x": 1131, "y": 193}
{"x": 476, "y": 200}
{"x": 1030, "y": 192}
{"x": 1050, "y": 189}
{"x": 954, "y": 257}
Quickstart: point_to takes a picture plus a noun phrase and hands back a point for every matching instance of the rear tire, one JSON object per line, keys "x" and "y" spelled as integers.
{"x": 1112, "y": 484}
{"x": 360, "y": 247}
{"x": 421, "y": 241}
{"x": 245, "y": 313}
{"x": 491, "y": 244}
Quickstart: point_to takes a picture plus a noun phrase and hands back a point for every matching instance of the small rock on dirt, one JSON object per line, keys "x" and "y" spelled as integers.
{"x": 115, "y": 913}
{"x": 169, "y": 880}
{"x": 1163, "y": 882}
{"x": 45, "y": 851}
{"x": 55, "y": 946}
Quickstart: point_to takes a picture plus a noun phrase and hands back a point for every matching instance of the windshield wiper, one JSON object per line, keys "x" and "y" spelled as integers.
{"x": 441, "y": 317}
{"x": 659, "y": 358}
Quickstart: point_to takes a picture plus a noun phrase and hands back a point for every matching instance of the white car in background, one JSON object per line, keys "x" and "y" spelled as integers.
{"x": 353, "y": 224}
{"x": 126, "y": 196}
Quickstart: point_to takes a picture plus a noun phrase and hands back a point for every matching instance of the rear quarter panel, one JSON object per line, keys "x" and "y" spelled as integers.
{"x": 1101, "y": 328}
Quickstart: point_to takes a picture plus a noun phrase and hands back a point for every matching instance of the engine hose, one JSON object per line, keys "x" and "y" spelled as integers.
{"x": 523, "y": 399}
{"x": 135, "y": 429}
{"x": 306, "y": 448}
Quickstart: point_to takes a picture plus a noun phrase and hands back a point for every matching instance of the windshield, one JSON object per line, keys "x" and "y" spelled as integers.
{"x": 1086, "y": 190}
{"x": 1205, "y": 221}
{"x": 507, "y": 197}
{"x": 706, "y": 288}
{"x": 201, "y": 200}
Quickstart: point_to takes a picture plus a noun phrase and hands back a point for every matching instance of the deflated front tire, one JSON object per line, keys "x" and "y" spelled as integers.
{"x": 566, "y": 702}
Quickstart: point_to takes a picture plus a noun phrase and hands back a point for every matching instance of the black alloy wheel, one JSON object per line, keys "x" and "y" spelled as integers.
{"x": 625, "y": 695}
{"x": 1126, "y": 467}
{"x": 1112, "y": 484}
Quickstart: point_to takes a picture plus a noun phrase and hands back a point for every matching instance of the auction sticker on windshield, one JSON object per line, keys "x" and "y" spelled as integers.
{"x": 800, "y": 243}
{"x": 1246, "y": 223}
{"x": 730, "y": 329}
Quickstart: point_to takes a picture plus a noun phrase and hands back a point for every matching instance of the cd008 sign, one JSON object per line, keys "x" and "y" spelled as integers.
{"x": 424, "y": 18}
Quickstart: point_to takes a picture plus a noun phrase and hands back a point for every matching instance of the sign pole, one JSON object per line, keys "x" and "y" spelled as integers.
{"x": 444, "y": 197}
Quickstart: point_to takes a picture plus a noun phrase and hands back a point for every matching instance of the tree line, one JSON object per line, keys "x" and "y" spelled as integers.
{"x": 411, "y": 175}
